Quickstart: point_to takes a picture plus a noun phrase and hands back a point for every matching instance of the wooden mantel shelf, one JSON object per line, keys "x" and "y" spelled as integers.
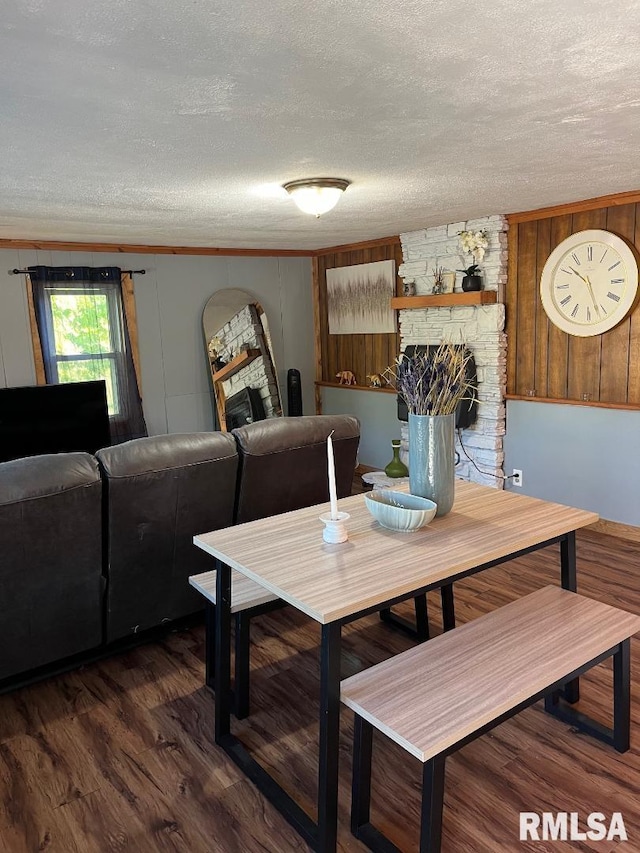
{"x": 241, "y": 360}
{"x": 443, "y": 300}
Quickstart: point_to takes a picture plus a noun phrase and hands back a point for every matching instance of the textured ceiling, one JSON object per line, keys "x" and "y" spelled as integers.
{"x": 165, "y": 122}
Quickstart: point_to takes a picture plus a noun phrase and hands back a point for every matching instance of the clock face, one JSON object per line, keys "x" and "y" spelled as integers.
{"x": 589, "y": 283}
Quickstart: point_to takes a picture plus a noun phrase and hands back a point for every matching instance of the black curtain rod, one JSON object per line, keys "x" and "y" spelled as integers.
{"x": 126, "y": 272}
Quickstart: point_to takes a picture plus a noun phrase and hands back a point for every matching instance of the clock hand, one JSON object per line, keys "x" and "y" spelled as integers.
{"x": 593, "y": 299}
{"x": 590, "y": 286}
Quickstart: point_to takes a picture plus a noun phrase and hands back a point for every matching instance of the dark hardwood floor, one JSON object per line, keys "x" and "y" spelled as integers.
{"x": 120, "y": 756}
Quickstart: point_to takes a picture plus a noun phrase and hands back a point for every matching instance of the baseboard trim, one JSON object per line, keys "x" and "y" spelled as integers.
{"x": 616, "y": 528}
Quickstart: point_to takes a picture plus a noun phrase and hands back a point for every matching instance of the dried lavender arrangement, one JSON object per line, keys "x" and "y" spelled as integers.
{"x": 432, "y": 383}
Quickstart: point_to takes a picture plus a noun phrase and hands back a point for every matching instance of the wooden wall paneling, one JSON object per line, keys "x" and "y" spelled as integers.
{"x": 317, "y": 323}
{"x": 362, "y": 354}
{"x": 332, "y": 341}
{"x": 602, "y": 370}
{"x": 526, "y": 319}
{"x": 511, "y": 307}
{"x": 541, "y": 355}
{"x": 583, "y": 380}
{"x": 317, "y": 333}
{"x": 321, "y": 310}
{"x": 614, "y": 364}
{"x": 558, "y": 349}
{"x": 633, "y": 383}
{"x": 369, "y": 357}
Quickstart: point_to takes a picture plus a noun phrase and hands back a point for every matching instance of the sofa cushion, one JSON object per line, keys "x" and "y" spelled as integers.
{"x": 160, "y": 492}
{"x": 283, "y": 463}
{"x": 50, "y": 559}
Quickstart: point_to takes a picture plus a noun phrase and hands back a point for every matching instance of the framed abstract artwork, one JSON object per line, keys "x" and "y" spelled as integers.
{"x": 359, "y": 299}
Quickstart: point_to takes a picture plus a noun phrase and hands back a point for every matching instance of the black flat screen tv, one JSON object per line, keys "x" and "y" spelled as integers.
{"x": 53, "y": 419}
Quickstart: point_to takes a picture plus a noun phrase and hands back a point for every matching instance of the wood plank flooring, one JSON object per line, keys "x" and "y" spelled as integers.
{"x": 120, "y": 756}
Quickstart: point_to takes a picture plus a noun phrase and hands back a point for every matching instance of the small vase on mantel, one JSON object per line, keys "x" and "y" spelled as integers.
{"x": 432, "y": 459}
{"x": 471, "y": 283}
{"x": 396, "y": 468}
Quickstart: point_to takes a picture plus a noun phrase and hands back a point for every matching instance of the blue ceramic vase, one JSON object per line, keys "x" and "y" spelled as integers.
{"x": 432, "y": 459}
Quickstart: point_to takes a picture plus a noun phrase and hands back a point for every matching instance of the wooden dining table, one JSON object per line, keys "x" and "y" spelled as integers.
{"x": 374, "y": 569}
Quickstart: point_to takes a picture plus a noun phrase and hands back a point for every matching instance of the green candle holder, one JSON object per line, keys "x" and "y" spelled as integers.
{"x": 396, "y": 468}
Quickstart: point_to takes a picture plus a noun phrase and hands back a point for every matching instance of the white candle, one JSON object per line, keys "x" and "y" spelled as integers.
{"x": 333, "y": 496}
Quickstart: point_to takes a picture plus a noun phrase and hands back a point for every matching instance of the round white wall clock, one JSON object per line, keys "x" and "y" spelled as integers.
{"x": 589, "y": 283}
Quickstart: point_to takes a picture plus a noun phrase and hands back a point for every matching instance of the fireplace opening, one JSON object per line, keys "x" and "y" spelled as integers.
{"x": 467, "y": 409}
{"x": 244, "y": 408}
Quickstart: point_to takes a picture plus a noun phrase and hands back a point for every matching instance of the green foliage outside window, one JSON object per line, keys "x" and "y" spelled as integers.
{"x": 81, "y": 323}
{"x": 81, "y": 327}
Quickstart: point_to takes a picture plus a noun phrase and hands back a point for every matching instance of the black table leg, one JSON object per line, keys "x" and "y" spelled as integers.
{"x": 329, "y": 738}
{"x": 569, "y": 581}
{"x": 432, "y": 804}
{"x": 210, "y": 644}
{"x": 622, "y": 696}
{"x": 243, "y": 668}
{"x": 222, "y": 675}
{"x": 568, "y": 562}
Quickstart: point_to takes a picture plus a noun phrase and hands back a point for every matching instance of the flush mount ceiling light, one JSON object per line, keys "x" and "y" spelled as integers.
{"x": 316, "y": 195}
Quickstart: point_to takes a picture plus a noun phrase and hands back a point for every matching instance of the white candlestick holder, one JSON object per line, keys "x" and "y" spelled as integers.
{"x": 335, "y": 529}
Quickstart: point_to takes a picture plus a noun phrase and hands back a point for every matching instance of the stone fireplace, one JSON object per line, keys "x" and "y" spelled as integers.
{"x": 480, "y": 327}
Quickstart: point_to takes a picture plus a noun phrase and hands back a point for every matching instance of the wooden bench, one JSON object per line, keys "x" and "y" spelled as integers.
{"x": 248, "y": 599}
{"x": 439, "y": 696}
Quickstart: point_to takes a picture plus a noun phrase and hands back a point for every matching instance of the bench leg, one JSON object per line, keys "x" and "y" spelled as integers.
{"x": 361, "y": 776}
{"x": 569, "y": 581}
{"x": 242, "y": 665}
{"x": 210, "y": 644}
{"x": 448, "y": 607}
{"x": 432, "y": 805}
{"x": 622, "y": 696}
{"x": 618, "y": 736}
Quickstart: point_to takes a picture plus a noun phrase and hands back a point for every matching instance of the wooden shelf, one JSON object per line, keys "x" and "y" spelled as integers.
{"x": 241, "y": 360}
{"x": 443, "y": 300}
{"x": 629, "y": 407}
{"x": 385, "y": 390}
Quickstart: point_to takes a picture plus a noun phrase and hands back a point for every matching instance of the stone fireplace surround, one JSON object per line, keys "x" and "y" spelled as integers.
{"x": 480, "y": 327}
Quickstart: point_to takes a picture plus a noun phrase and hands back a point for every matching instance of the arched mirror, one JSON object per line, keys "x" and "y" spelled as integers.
{"x": 240, "y": 357}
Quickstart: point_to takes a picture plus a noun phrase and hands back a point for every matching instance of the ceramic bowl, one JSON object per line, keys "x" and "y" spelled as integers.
{"x": 398, "y": 510}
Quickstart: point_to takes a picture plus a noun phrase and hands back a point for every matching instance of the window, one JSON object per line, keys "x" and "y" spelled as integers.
{"x": 86, "y": 329}
{"x": 82, "y": 332}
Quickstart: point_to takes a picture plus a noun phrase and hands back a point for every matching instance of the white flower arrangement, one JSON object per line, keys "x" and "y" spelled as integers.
{"x": 474, "y": 243}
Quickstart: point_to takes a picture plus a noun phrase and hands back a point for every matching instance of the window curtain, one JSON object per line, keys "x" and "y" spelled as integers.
{"x": 84, "y": 336}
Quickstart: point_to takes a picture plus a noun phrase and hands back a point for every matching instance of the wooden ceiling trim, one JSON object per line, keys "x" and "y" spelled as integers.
{"x": 630, "y": 197}
{"x": 143, "y": 249}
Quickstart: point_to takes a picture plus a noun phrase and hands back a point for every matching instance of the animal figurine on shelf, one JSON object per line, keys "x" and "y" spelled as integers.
{"x": 376, "y": 380}
{"x": 346, "y": 377}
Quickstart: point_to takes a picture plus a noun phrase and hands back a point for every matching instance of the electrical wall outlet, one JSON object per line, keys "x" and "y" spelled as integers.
{"x": 516, "y": 477}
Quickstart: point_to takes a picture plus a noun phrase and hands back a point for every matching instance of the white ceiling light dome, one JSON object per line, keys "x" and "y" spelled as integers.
{"x": 316, "y": 195}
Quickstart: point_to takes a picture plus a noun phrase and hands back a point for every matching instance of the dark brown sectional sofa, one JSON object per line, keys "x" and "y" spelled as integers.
{"x": 96, "y": 550}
